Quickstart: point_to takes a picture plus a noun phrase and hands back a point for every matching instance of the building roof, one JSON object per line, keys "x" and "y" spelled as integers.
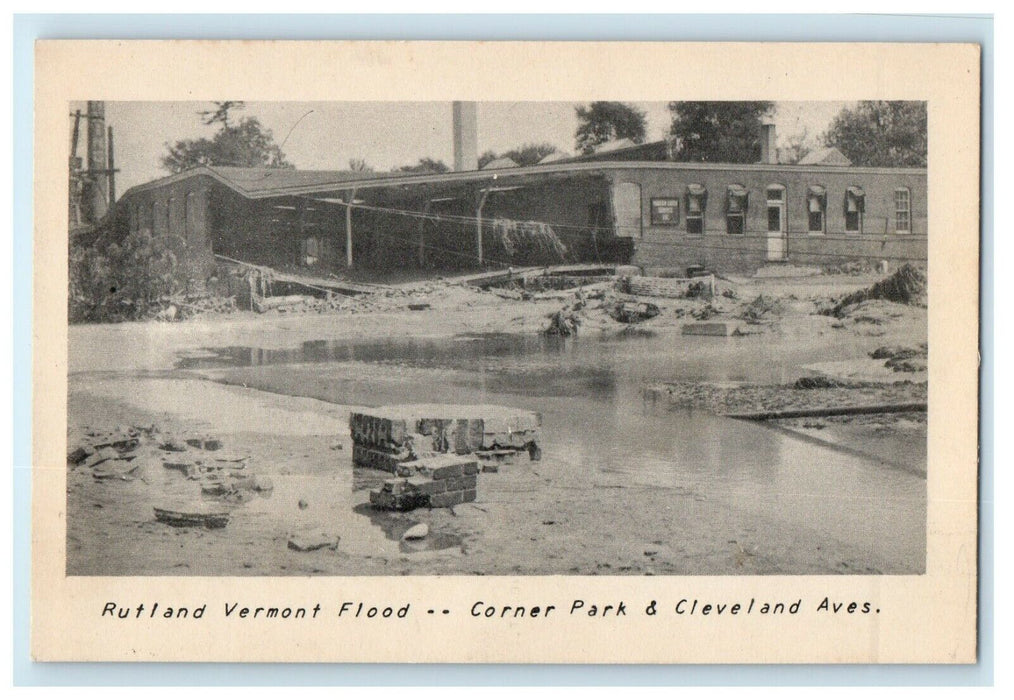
{"x": 499, "y": 164}
{"x": 256, "y": 181}
{"x": 825, "y": 156}
{"x": 260, "y": 183}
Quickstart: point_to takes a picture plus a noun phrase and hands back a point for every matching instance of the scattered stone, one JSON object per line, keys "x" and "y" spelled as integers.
{"x": 173, "y": 445}
{"x": 197, "y": 515}
{"x": 303, "y": 505}
{"x": 336, "y": 445}
{"x": 818, "y": 382}
{"x": 720, "y": 329}
{"x": 80, "y": 454}
{"x": 115, "y": 469}
{"x": 312, "y": 541}
{"x": 417, "y": 532}
{"x": 633, "y": 312}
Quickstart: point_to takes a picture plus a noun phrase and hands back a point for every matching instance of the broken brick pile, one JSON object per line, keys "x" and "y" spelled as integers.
{"x": 440, "y": 481}
{"x": 384, "y": 438}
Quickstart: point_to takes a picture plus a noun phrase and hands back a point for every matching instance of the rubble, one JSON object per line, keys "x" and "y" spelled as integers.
{"x": 385, "y": 437}
{"x": 195, "y": 515}
{"x": 906, "y": 286}
{"x": 633, "y": 312}
{"x": 417, "y": 532}
{"x": 434, "y": 482}
{"x": 313, "y": 540}
{"x": 564, "y": 322}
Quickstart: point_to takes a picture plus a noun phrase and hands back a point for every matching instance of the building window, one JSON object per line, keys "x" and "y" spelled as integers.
{"x": 171, "y": 223}
{"x": 776, "y": 208}
{"x": 855, "y": 205}
{"x": 190, "y": 215}
{"x": 311, "y": 251}
{"x": 153, "y": 213}
{"x": 816, "y": 207}
{"x": 133, "y": 218}
{"x": 697, "y": 204}
{"x": 665, "y": 212}
{"x": 735, "y": 209}
{"x": 902, "y": 210}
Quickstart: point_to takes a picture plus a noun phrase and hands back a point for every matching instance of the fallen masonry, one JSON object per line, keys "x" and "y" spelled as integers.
{"x": 385, "y": 437}
{"x": 440, "y": 481}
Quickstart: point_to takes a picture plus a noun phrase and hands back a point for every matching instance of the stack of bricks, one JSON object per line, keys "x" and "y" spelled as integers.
{"x": 383, "y": 438}
{"x": 668, "y": 287}
{"x": 441, "y": 481}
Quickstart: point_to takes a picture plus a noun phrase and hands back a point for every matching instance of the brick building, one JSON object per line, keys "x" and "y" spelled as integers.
{"x": 651, "y": 213}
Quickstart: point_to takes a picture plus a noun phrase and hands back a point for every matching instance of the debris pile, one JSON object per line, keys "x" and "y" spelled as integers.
{"x": 633, "y": 312}
{"x": 903, "y": 359}
{"x": 761, "y": 309}
{"x": 564, "y": 322}
{"x": 669, "y": 287}
{"x": 441, "y": 481}
{"x": 110, "y": 454}
{"x": 123, "y": 453}
{"x": 386, "y": 437}
{"x": 906, "y": 286}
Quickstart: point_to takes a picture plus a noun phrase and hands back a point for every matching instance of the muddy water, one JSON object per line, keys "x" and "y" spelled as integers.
{"x": 600, "y": 432}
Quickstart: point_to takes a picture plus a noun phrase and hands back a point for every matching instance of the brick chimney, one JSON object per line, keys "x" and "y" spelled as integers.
{"x": 769, "y": 148}
{"x": 466, "y": 136}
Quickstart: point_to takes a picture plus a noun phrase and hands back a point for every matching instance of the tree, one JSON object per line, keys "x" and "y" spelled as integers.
{"x": 718, "y": 132}
{"x": 796, "y": 147}
{"x": 358, "y": 165}
{"x": 530, "y": 153}
{"x": 600, "y": 122}
{"x": 221, "y": 112}
{"x": 486, "y": 158}
{"x": 246, "y": 144}
{"x": 881, "y": 134}
{"x": 425, "y": 165}
{"x": 526, "y": 154}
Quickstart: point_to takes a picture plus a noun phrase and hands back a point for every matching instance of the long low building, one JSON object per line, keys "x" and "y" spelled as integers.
{"x": 650, "y": 213}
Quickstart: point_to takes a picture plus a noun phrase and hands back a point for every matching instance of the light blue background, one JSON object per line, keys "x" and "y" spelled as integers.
{"x": 27, "y": 28}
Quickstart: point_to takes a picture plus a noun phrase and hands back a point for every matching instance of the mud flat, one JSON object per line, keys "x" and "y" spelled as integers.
{"x": 626, "y": 485}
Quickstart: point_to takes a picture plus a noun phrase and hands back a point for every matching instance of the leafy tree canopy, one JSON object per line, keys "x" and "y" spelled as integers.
{"x": 881, "y": 134}
{"x": 600, "y": 122}
{"x": 718, "y": 132}
{"x": 486, "y": 158}
{"x": 359, "y": 165}
{"x": 245, "y": 144}
{"x": 529, "y": 153}
{"x": 425, "y": 165}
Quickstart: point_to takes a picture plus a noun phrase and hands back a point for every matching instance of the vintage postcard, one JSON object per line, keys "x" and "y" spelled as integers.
{"x": 505, "y": 352}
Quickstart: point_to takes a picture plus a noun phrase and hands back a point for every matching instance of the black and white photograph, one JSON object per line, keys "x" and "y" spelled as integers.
{"x": 497, "y": 338}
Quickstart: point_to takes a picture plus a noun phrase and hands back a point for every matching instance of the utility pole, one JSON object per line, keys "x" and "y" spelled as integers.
{"x": 112, "y": 173}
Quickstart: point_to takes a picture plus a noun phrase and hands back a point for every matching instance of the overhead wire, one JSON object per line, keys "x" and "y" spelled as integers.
{"x": 582, "y": 231}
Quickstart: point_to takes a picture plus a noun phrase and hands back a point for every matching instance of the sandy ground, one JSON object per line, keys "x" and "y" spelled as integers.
{"x": 528, "y": 519}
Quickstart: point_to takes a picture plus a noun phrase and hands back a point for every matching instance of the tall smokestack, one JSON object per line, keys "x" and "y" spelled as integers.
{"x": 466, "y": 136}
{"x": 96, "y": 196}
{"x": 769, "y": 147}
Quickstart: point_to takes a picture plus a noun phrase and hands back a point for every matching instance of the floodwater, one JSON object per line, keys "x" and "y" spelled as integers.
{"x": 599, "y": 429}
